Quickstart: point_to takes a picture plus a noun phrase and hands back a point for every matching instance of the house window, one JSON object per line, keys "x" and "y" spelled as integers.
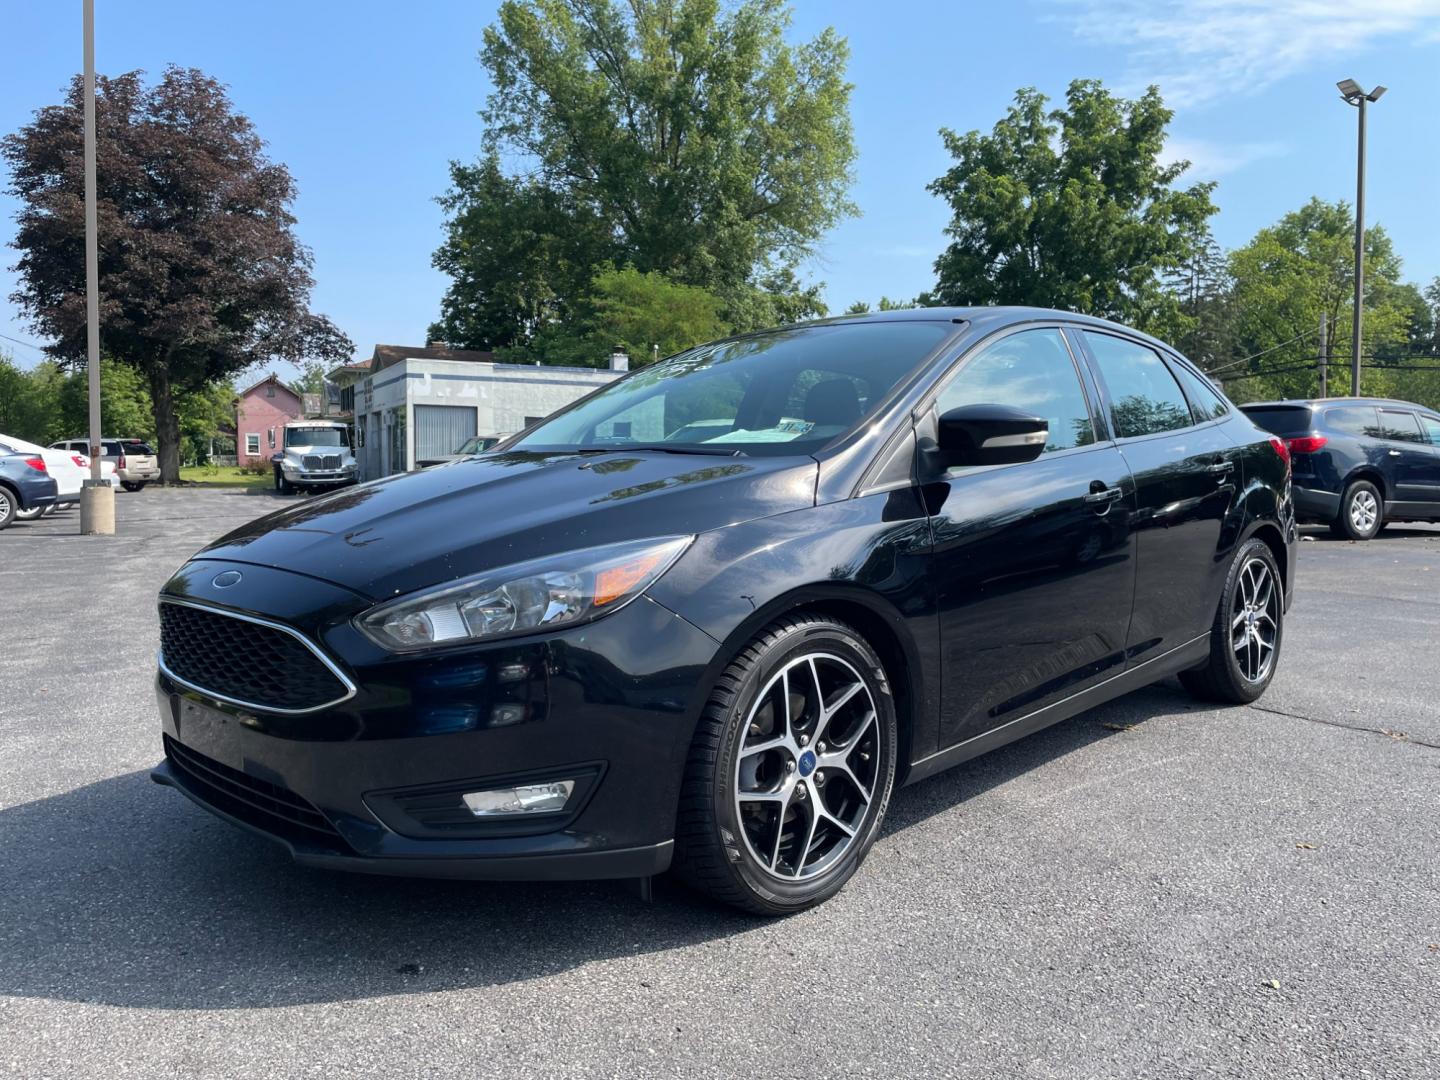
{"x": 252, "y": 443}
{"x": 270, "y": 390}
{"x": 272, "y": 438}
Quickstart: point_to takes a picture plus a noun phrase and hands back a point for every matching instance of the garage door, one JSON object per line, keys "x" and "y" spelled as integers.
{"x": 440, "y": 429}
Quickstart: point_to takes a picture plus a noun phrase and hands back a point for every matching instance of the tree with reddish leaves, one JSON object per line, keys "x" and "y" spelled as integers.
{"x": 201, "y": 275}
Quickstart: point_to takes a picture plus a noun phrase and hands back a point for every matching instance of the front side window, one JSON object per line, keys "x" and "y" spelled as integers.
{"x": 1205, "y": 402}
{"x": 1144, "y": 396}
{"x": 1031, "y": 370}
{"x": 785, "y": 392}
{"x": 1399, "y": 426}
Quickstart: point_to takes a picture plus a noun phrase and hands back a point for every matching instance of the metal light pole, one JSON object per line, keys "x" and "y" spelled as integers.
{"x": 97, "y": 499}
{"x": 1351, "y": 93}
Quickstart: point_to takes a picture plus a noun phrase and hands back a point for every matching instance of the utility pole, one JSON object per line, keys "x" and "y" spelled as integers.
{"x": 1324, "y": 356}
{"x": 1352, "y": 94}
{"x": 97, "y": 499}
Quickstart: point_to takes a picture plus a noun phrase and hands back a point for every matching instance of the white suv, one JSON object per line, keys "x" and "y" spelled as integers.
{"x": 316, "y": 454}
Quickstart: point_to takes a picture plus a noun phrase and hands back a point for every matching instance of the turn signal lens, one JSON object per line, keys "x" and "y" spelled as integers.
{"x": 521, "y": 799}
{"x": 538, "y": 595}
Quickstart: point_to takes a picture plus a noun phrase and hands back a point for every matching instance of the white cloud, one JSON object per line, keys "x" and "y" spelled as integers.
{"x": 1198, "y": 50}
{"x": 1209, "y": 160}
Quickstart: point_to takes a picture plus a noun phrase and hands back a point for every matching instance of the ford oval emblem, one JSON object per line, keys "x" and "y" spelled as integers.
{"x": 226, "y": 578}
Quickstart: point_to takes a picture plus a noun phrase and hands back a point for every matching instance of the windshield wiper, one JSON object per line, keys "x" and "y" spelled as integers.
{"x": 703, "y": 451}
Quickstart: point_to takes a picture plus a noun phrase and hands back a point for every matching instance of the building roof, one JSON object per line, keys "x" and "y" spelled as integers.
{"x": 270, "y": 378}
{"x": 385, "y": 355}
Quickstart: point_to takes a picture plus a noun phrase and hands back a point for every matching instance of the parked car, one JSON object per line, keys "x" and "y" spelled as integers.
{"x": 908, "y": 538}
{"x": 1359, "y": 463}
{"x": 135, "y": 462}
{"x": 315, "y": 454}
{"x": 476, "y": 444}
{"x": 69, "y": 469}
{"x": 25, "y": 485}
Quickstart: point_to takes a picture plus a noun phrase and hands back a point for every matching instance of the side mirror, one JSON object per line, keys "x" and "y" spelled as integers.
{"x": 990, "y": 435}
{"x": 276, "y": 459}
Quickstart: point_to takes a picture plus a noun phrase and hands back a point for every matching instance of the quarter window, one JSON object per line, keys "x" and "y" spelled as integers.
{"x": 1432, "y": 428}
{"x": 1399, "y": 426}
{"x": 1354, "y": 420}
{"x": 1144, "y": 396}
{"x": 1205, "y": 402}
{"x": 1031, "y": 370}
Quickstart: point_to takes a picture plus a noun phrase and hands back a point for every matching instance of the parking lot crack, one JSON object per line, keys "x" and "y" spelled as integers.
{"x": 1395, "y": 736}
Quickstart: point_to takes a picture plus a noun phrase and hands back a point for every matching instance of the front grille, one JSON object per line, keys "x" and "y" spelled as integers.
{"x": 261, "y": 803}
{"x": 316, "y": 462}
{"x": 244, "y": 662}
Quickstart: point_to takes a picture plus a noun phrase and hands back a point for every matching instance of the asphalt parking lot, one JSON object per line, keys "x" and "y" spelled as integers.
{"x": 1152, "y": 889}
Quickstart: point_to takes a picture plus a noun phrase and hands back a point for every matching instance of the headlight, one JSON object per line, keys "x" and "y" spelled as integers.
{"x": 559, "y": 590}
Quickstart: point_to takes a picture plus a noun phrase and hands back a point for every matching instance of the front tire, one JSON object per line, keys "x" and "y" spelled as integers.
{"x": 30, "y": 515}
{"x": 1362, "y": 512}
{"x": 1246, "y": 635}
{"x": 791, "y": 769}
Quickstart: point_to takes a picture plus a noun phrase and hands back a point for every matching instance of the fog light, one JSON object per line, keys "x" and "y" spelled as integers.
{"x": 521, "y": 799}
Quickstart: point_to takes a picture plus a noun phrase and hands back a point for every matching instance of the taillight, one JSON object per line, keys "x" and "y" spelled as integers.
{"x": 1283, "y": 450}
{"x": 121, "y": 463}
{"x": 81, "y": 460}
{"x": 1306, "y": 444}
{"x": 36, "y": 463}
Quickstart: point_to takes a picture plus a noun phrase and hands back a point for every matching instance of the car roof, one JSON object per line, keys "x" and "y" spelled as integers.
{"x": 983, "y": 318}
{"x": 1315, "y": 403}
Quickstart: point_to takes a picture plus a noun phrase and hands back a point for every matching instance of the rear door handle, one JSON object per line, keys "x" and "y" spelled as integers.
{"x": 1221, "y": 467}
{"x": 1394, "y": 453}
{"x": 1104, "y": 495}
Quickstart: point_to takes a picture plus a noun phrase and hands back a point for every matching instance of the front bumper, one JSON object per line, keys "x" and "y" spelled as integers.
{"x": 313, "y": 478}
{"x": 615, "y": 701}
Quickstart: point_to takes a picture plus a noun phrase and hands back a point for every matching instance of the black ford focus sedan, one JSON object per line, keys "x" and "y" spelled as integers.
{"x": 712, "y": 615}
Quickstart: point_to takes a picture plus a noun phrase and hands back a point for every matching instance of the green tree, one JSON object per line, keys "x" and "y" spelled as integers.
{"x": 1285, "y": 278}
{"x": 673, "y": 136}
{"x": 648, "y": 315}
{"x": 1071, "y": 208}
{"x": 311, "y": 379}
{"x": 201, "y": 275}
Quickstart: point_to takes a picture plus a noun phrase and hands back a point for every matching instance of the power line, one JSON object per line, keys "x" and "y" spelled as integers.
{"x": 27, "y": 344}
{"x": 1262, "y": 352}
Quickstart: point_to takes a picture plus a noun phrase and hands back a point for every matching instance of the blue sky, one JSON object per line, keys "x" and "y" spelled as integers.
{"x": 367, "y": 101}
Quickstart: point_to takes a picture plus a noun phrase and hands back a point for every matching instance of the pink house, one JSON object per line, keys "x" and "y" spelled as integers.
{"x": 261, "y": 412}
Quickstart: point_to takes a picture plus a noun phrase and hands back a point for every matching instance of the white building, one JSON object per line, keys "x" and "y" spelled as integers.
{"x": 416, "y": 406}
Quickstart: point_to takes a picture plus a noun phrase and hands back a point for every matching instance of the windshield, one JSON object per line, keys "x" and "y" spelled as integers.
{"x": 787, "y": 392}
{"x": 477, "y": 444}
{"x": 316, "y": 436}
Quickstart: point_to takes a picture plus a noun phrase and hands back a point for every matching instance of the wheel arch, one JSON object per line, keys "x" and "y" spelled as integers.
{"x": 1366, "y": 472}
{"x": 878, "y": 623}
{"x": 1274, "y": 539}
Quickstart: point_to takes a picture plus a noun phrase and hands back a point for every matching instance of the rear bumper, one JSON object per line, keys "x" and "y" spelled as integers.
{"x": 1315, "y": 504}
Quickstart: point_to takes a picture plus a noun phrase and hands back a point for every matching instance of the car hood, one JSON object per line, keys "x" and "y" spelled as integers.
{"x": 409, "y": 532}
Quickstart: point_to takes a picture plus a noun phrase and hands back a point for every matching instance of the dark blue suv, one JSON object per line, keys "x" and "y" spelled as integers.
{"x": 1359, "y": 463}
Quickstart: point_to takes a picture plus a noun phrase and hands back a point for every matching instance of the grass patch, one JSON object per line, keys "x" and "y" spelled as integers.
{"x": 225, "y": 476}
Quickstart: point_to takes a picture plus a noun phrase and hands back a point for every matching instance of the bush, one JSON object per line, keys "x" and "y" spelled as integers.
{"x": 256, "y": 467}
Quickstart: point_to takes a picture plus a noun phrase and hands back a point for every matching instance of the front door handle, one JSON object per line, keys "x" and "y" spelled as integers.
{"x": 1394, "y": 453}
{"x": 1221, "y": 467}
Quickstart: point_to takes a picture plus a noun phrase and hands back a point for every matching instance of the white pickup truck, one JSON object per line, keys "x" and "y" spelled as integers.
{"x": 315, "y": 454}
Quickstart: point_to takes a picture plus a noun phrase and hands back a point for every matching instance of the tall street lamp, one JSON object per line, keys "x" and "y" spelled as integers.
{"x": 1352, "y": 94}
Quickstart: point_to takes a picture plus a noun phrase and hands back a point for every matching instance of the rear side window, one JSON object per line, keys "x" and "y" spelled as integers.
{"x": 1205, "y": 402}
{"x": 1031, "y": 370}
{"x": 1354, "y": 420}
{"x": 135, "y": 446}
{"x": 1399, "y": 426}
{"x": 1144, "y": 396}
{"x": 1432, "y": 428}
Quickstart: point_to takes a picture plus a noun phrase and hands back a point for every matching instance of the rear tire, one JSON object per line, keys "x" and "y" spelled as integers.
{"x": 1362, "y": 512}
{"x": 30, "y": 515}
{"x": 1246, "y": 635}
{"x": 9, "y": 506}
{"x": 131, "y": 485}
{"x": 791, "y": 769}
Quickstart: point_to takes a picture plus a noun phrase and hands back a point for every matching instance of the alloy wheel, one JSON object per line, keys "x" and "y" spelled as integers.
{"x": 4, "y": 505}
{"x": 1255, "y": 620}
{"x": 1364, "y": 510}
{"x": 806, "y": 772}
